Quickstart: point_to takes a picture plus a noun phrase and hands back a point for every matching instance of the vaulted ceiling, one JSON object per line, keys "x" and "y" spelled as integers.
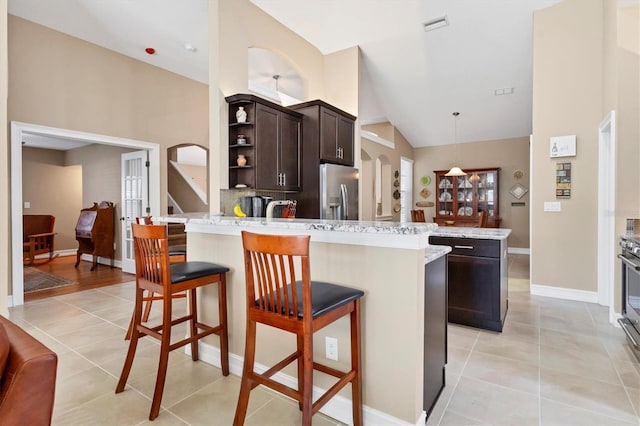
{"x": 413, "y": 78}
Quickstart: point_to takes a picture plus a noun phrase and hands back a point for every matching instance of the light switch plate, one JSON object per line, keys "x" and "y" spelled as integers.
{"x": 552, "y": 206}
{"x": 27, "y": 205}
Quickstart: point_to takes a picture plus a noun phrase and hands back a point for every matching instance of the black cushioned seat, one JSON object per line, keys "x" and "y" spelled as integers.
{"x": 184, "y": 271}
{"x": 324, "y": 297}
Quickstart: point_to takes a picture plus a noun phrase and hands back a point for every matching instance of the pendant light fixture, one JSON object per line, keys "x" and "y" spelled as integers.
{"x": 455, "y": 170}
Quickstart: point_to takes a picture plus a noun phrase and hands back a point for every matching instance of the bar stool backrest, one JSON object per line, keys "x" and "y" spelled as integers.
{"x": 152, "y": 257}
{"x": 272, "y": 264}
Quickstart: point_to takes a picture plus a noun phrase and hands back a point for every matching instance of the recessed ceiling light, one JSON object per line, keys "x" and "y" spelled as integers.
{"x": 436, "y": 23}
{"x": 190, "y": 47}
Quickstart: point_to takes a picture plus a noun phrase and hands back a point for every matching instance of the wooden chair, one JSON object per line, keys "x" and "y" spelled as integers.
{"x": 176, "y": 254}
{"x": 417, "y": 215}
{"x": 482, "y": 219}
{"x": 277, "y": 297}
{"x": 37, "y": 236}
{"x": 156, "y": 274}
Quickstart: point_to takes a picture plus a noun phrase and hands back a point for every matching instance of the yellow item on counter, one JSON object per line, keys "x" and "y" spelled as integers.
{"x": 237, "y": 210}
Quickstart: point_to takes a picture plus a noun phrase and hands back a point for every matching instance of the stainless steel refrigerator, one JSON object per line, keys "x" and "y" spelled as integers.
{"x": 338, "y": 192}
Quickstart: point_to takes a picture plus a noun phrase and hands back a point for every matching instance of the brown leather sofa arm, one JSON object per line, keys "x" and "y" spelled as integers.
{"x": 27, "y": 387}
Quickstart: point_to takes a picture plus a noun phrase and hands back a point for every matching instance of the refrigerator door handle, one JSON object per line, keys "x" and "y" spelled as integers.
{"x": 344, "y": 199}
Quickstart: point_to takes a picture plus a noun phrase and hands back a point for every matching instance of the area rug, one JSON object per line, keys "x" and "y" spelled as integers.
{"x": 35, "y": 280}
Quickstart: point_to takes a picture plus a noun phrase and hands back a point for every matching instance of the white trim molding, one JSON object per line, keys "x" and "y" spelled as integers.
{"x": 377, "y": 139}
{"x": 519, "y": 250}
{"x": 338, "y": 407}
{"x": 564, "y": 293}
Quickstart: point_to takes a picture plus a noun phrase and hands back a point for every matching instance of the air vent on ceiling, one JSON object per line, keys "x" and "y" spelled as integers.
{"x": 436, "y": 23}
{"x": 503, "y": 91}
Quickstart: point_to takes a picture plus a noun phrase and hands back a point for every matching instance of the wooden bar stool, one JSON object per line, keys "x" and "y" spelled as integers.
{"x": 177, "y": 253}
{"x": 156, "y": 274}
{"x": 280, "y": 299}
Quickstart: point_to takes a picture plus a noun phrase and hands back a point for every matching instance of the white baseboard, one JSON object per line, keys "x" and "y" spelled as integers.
{"x": 518, "y": 250}
{"x": 564, "y": 293}
{"x": 338, "y": 407}
{"x": 614, "y": 317}
{"x": 68, "y": 252}
{"x": 72, "y": 252}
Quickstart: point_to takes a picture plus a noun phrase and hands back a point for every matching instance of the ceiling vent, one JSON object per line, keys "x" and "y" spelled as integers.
{"x": 436, "y": 23}
{"x": 503, "y": 91}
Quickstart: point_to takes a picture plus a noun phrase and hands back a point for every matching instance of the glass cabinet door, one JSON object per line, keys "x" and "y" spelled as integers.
{"x": 445, "y": 195}
{"x": 487, "y": 194}
{"x": 464, "y": 196}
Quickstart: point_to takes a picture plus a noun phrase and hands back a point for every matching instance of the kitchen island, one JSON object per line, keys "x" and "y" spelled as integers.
{"x": 477, "y": 275}
{"x": 386, "y": 260}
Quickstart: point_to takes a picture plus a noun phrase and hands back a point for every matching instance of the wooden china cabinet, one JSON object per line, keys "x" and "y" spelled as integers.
{"x": 460, "y": 199}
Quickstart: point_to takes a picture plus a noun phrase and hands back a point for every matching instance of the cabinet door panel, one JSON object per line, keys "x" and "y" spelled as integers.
{"x": 474, "y": 297}
{"x": 345, "y": 140}
{"x": 289, "y": 155}
{"x": 267, "y": 128}
{"x": 328, "y": 134}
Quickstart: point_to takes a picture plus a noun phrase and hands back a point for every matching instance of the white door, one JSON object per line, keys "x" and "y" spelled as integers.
{"x": 135, "y": 201}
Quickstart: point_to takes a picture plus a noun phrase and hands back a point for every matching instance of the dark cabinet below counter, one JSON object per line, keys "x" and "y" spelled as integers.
{"x": 477, "y": 279}
{"x": 435, "y": 331}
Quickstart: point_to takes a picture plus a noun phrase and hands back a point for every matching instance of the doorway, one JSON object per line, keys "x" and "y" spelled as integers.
{"x": 18, "y": 131}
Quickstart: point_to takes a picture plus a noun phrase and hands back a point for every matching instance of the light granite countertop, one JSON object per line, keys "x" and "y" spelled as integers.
{"x": 405, "y": 235}
{"x": 481, "y": 233}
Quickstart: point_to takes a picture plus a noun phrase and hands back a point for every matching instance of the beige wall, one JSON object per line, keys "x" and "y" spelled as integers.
{"x": 60, "y": 81}
{"x": 52, "y": 187}
{"x": 74, "y": 180}
{"x": 5, "y": 235}
{"x": 507, "y": 154}
{"x": 628, "y": 124}
{"x": 572, "y": 85}
{"x": 101, "y": 180}
{"x": 197, "y": 173}
{"x": 370, "y": 152}
{"x": 567, "y": 100}
{"x": 332, "y": 78}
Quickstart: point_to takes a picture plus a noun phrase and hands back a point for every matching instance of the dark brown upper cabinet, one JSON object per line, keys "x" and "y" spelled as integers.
{"x": 327, "y": 131}
{"x": 269, "y": 140}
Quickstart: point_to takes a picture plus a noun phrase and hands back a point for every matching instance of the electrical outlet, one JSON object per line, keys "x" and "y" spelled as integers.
{"x": 27, "y": 205}
{"x": 331, "y": 344}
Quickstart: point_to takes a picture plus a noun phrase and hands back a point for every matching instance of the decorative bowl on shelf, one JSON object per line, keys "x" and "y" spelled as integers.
{"x": 449, "y": 222}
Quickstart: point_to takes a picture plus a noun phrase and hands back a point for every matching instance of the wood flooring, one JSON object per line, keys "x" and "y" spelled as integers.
{"x": 62, "y": 266}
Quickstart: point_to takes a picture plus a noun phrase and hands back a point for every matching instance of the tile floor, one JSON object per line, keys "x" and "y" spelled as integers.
{"x": 556, "y": 363}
